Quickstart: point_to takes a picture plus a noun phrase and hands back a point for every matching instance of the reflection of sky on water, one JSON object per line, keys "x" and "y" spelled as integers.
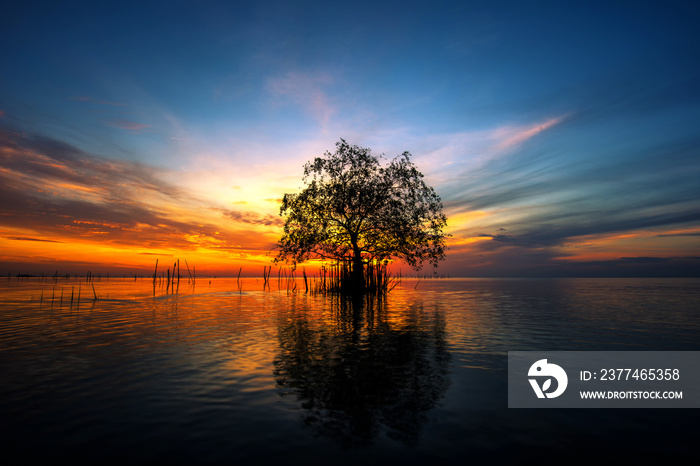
{"x": 218, "y": 374}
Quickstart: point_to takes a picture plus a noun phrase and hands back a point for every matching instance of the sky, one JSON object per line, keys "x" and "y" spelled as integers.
{"x": 562, "y": 137}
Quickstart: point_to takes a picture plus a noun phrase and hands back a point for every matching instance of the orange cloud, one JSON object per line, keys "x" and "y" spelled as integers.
{"x": 643, "y": 243}
{"x": 64, "y": 206}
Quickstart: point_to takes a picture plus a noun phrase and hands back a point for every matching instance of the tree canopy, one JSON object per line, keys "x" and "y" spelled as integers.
{"x": 355, "y": 210}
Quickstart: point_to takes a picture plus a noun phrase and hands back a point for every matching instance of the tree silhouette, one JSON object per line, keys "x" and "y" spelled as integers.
{"x": 357, "y": 212}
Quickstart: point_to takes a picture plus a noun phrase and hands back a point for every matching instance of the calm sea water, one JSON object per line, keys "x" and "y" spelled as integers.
{"x": 231, "y": 372}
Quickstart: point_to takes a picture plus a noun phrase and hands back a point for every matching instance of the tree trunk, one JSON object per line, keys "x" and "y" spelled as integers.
{"x": 358, "y": 275}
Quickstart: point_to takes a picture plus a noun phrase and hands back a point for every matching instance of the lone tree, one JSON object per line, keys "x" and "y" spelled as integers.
{"x": 357, "y": 212}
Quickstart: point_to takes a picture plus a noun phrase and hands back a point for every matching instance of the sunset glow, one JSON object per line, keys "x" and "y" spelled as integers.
{"x": 127, "y": 137}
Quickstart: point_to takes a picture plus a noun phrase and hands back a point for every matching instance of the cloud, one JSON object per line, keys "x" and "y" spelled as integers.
{"x": 452, "y": 156}
{"x": 305, "y": 90}
{"x": 39, "y": 162}
{"x": 130, "y": 125}
{"x": 24, "y": 238}
{"x": 252, "y": 218}
{"x": 511, "y": 137}
{"x": 511, "y": 256}
{"x": 57, "y": 191}
{"x": 96, "y": 101}
{"x": 678, "y": 234}
{"x": 563, "y": 203}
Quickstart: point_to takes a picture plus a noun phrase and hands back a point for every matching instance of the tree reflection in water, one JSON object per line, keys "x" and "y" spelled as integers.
{"x": 360, "y": 369}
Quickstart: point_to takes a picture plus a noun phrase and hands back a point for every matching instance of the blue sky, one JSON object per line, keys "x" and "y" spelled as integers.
{"x": 562, "y": 136}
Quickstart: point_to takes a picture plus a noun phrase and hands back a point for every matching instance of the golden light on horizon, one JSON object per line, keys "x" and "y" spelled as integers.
{"x": 643, "y": 243}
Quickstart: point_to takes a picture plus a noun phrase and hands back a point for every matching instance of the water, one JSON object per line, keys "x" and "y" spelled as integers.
{"x": 231, "y": 372}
